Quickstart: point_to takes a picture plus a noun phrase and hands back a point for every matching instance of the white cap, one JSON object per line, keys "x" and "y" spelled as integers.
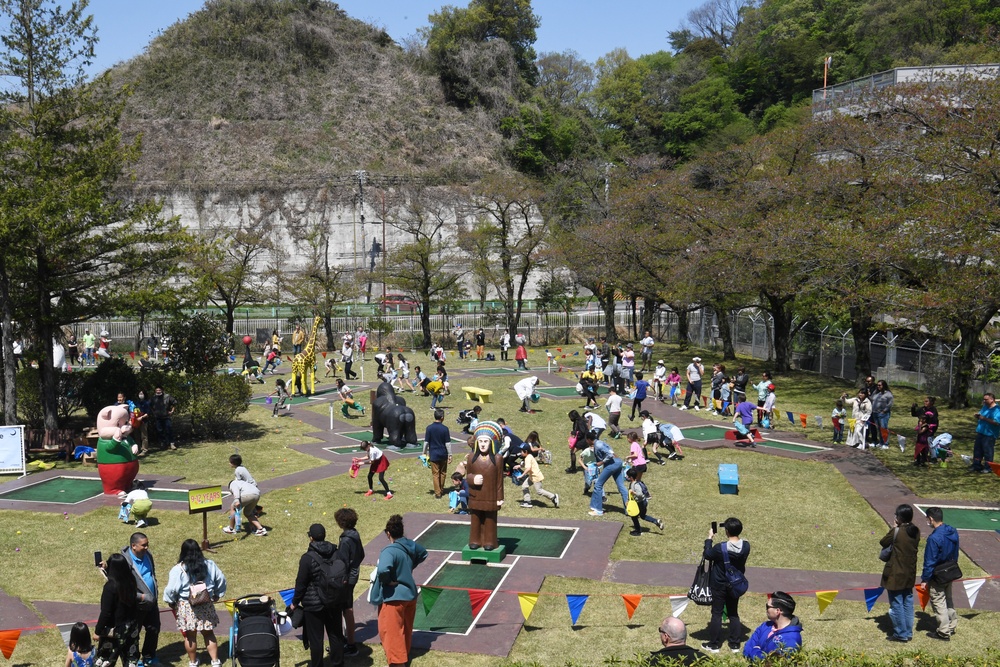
{"x": 660, "y": 362}
{"x": 696, "y": 359}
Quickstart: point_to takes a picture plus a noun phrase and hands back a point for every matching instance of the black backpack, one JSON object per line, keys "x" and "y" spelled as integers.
{"x": 332, "y": 577}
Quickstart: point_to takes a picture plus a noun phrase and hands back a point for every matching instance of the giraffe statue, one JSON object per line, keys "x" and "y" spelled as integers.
{"x": 304, "y": 365}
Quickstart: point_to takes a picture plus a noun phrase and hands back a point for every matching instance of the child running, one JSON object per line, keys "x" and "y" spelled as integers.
{"x": 81, "y": 646}
{"x": 674, "y": 380}
{"x": 638, "y": 492}
{"x": 533, "y": 477}
{"x": 379, "y": 464}
{"x": 281, "y": 391}
{"x": 347, "y": 396}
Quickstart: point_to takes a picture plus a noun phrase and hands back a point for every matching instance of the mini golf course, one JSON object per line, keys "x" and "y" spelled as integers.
{"x": 564, "y": 392}
{"x": 72, "y": 490}
{"x": 538, "y": 541}
{"x": 452, "y": 612}
{"x": 298, "y": 399}
{"x": 358, "y": 436}
{"x": 968, "y": 518}
{"x": 495, "y": 371}
{"x": 712, "y": 432}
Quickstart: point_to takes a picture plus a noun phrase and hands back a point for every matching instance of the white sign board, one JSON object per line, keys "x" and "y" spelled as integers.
{"x": 12, "y": 450}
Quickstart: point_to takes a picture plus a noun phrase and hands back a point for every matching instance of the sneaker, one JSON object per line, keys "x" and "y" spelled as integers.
{"x": 943, "y": 636}
{"x": 635, "y": 533}
{"x": 368, "y": 493}
{"x": 172, "y": 447}
{"x": 883, "y": 447}
{"x": 684, "y": 407}
{"x": 659, "y": 524}
{"x": 193, "y": 664}
{"x": 216, "y": 663}
{"x": 734, "y": 647}
{"x": 697, "y": 408}
{"x": 555, "y": 501}
{"x": 711, "y": 648}
{"x": 527, "y": 504}
{"x": 350, "y": 650}
{"x": 388, "y": 496}
{"x": 229, "y": 531}
{"x": 261, "y": 532}
{"x": 140, "y": 524}
{"x": 670, "y": 457}
{"x": 595, "y": 513}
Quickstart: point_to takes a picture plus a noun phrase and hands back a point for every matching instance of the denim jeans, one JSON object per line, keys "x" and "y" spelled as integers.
{"x": 982, "y": 451}
{"x": 608, "y": 470}
{"x": 901, "y": 612}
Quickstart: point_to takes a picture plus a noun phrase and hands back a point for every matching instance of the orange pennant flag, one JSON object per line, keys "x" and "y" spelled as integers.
{"x": 8, "y": 640}
{"x": 478, "y": 598}
{"x": 631, "y": 604}
{"x": 132, "y": 354}
{"x": 805, "y": 420}
{"x": 923, "y": 595}
{"x": 289, "y": 358}
{"x": 324, "y": 354}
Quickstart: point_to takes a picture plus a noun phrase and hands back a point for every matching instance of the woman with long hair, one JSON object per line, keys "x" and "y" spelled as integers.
{"x": 195, "y": 585}
{"x": 118, "y": 623}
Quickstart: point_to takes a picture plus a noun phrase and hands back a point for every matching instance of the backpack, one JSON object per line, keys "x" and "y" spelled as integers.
{"x": 332, "y": 577}
{"x": 737, "y": 581}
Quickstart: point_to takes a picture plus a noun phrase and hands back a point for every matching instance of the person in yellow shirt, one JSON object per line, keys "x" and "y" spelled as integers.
{"x": 298, "y": 339}
{"x": 531, "y": 475}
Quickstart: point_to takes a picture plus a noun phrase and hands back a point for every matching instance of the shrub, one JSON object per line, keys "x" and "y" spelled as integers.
{"x": 198, "y": 344}
{"x": 101, "y": 387}
{"x": 69, "y": 393}
{"x": 216, "y": 402}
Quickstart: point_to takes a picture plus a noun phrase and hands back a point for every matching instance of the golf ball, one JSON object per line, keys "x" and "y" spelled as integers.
{"x": 830, "y": 546}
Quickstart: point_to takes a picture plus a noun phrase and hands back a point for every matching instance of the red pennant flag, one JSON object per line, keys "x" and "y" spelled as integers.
{"x": 324, "y": 354}
{"x": 923, "y": 595}
{"x": 631, "y": 604}
{"x": 477, "y": 599}
{"x": 8, "y": 640}
{"x": 289, "y": 358}
{"x": 559, "y": 349}
{"x": 132, "y": 354}
{"x": 804, "y": 419}
{"x": 704, "y": 401}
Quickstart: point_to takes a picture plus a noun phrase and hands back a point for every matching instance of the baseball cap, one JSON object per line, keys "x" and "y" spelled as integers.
{"x": 317, "y": 532}
{"x": 696, "y": 359}
{"x": 770, "y": 387}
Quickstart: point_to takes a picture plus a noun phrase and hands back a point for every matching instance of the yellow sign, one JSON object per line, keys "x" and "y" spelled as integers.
{"x": 204, "y": 500}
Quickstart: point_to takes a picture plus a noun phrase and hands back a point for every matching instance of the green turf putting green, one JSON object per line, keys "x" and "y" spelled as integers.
{"x": 71, "y": 490}
{"x": 563, "y": 392}
{"x": 541, "y": 541}
{"x": 452, "y": 611}
{"x": 495, "y": 371}
{"x": 704, "y": 433}
{"x": 968, "y": 518}
{"x": 294, "y": 400}
{"x": 791, "y": 446}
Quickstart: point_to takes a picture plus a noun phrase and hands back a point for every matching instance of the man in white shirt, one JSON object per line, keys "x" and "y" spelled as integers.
{"x": 647, "y": 352}
{"x": 694, "y": 372}
{"x": 659, "y": 380}
{"x": 614, "y": 407}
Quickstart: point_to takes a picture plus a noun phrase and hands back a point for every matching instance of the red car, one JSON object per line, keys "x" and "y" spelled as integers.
{"x": 398, "y": 303}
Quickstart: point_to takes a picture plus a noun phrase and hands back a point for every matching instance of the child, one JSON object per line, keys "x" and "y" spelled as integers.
{"x": 271, "y": 361}
{"x": 331, "y": 366}
{"x": 614, "y": 407}
{"x": 659, "y": 380}
{"x": 403, "y": 368}
{"x": 243, "y": 475}
{"x": 251, "y": 373}
{"x": 244, "y": 505}
{"x": 347, "y": 396}
{"x": 925, "y": 429}
{"x": 638, "y": 492}
{"x": 81, "y": 647}
{"x": 534, "y": 443}
{"x": 282, "y": 392}
{"x": 768, "y": 409}
{"x": 421, "y": 380}
{"x": 588, "y": 460}
{"x": 674, "y": 380}
{"x": 532, "y": 476}
{"x": 650, "y": 436}
{"x": 469, "y": 419}
{"x": 521, "y": 356}
{"x": 641, "y": 387}
{"x": 139, "y": 503}
{"x": 379, "y": 464}
{"x": 941, "y": 448}
{"x": 458, "y": 497}
{"x": 636, "y": 458}
{"x": 838, "y": 417}
{"x": 670, "y": 438}
{"x": 726, "y": 396}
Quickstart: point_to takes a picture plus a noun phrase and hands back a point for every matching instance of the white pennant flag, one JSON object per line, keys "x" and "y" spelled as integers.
{"x": 678, "y": 605}
{"x": 819, "y": 422}
{"x": 64, "y": 630}
{"x": 901, "y": 441}
{"x": 972, "y": 587}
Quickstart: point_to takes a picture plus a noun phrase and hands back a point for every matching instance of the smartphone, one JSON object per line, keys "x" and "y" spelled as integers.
{"x": 715, "y": 526}
{"x": 97, "y": 559}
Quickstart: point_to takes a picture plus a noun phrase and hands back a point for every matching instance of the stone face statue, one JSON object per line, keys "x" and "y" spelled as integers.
{"x": 484, "y": 474}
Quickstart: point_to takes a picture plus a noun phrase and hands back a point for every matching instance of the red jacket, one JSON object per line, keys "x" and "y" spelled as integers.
{"x": 520, "y": 354}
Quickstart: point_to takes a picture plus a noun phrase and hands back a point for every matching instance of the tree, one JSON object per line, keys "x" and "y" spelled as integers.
{"x": 68, "y": 232}
{"x": 719, "y": 20}
{"x": 198, "y": 345}
{"x": 421, "y": 266}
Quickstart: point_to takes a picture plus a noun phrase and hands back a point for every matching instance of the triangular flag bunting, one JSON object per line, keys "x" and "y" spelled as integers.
{"x": 287, "y": 595}
{"x": 872, "y": 595}
{"x": 631, "y": 604}
{"x": 478, "y": 598}
{"x": 923, "y": 596}
{"x": 725, "y": 406}
{"x": 575, "y": 603}
{"x": 901, "y": 441}
{"x": 972, "y": 587}
{"x": 8, "y": 640}
{"x": 824, "y": 598}
{"x": 791, "y": 418}
{"x": 324, "y": 354}
{"x": 678, "y": 605}
{"x": 704, "y": 401}
{"x": 229, "y": 606}
{"x": 528, "y": 602}
{"x": 851, "y": 423}
{"x": 428, "y": 596}
{"x": 995, "y": 467}
{"x": 819, "y": 422}
{"x": 804, "y": 420}
{"x": 132, "y": 354}
{"x": 64, "y": 630}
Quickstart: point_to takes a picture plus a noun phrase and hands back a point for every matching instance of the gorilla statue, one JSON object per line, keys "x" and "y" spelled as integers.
{"x": 390, "y": 414}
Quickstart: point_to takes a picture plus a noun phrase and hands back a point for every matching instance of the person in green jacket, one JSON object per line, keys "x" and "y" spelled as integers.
{"x": 395, "y": 591}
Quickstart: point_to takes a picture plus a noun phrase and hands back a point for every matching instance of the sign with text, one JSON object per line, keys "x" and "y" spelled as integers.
{"x": 204, "y": 500}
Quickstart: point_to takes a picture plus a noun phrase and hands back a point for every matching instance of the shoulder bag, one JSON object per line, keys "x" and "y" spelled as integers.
{"x": 886, "y": 553}
{"x": 701, "y": 590}
{"x": 946, "y": 572}
{"x": 737, "y": 581}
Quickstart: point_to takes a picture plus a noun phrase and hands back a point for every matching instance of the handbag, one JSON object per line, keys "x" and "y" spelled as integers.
{"x": 199, "y": 594}
{"x": 298, "y": 616}
{"x": 632, "y": 507}
{"x": 946, "y": 572}
{"x": 886, "y": 553}
{"x": 701, "y": 591}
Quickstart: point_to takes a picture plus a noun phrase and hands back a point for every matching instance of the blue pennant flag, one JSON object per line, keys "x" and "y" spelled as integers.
{"x": 576, "y": 603}
{"x": 287, "y": 595}
{"x": 872, "y": 595}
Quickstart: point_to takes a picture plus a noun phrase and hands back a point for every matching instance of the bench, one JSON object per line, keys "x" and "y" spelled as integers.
{"x": 477, "y": 394}
{"x": 60, "y": 442}
{"x": 729, "y": 479}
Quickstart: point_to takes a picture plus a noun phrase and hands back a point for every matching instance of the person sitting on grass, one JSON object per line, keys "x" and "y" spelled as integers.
{"x": 780, "y": 634}
{"x": 458, "y": 497}
{"x": 469, "y": 418}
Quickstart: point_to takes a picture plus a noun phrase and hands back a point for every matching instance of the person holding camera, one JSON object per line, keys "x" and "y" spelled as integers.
{"x": 733, "y": 552}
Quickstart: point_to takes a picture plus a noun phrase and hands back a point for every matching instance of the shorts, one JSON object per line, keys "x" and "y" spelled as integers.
{"x": 248, "y": 504}
{"x": 647, "y": 354}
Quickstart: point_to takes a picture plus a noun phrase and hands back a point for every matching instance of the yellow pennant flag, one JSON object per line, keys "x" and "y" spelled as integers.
{"x": 824, "y": 598}
{"x": 631, "y": 604}
{"x": 230, "y": 605}
{"x": 851, "y": 423}
{"x": 528, "y": 602}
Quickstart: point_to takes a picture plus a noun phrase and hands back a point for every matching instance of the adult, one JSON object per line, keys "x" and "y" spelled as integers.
{"x": 595, "y": 423}
{"x": 320, "y": 611}
{"x": 740, "y": 382}
{"x": 628, "y": 364}
{"x": 577, "y": 433}
{"x": 195, "y": 585}
{"x": 437, "y": 449}
{"x": 298, "y": 339}
{"x": 647, "y": 352}
{"x": 117, "y": 629}
{"x": 718, "y": 378}
{"x": 928, "y": 412}
{"x": 140, "y": 420}
{"x": 604, "y": 357}
{"x": 104, "y": 345}
{"x": 72, "y": 349}
{"x": 89, "y": 341}
{"x": 347, "y": 358}
{"x": 163, "y": 406}
{"x": 695, "y": 371}
{"x": 504, "y": 344}
{"x": 246, "y": 495}
{"x": 395, "y": 592}
{"x": 352, "y": 552}
{"x": 609, "y": 467}
{"x": 460, "y": 340}
{"x": 276, "y": 342}
{"x": 525, "y": 389}
{"x": 675, "y": 651}
{"x": 780, "y": 634}
{"x": 861, "y": 410}
{"x": 900, "y": 572}
{"x": 484, "y": 473}
{"x": 736, "y": 550}
{"x": 361, "y": 336}
{"x": 882, "y": 402}
{"x": 143, "y": 568}
{"x": 987, "y": 429}
{"x": 941, "y": 548}
{"x": 480, "y": 344}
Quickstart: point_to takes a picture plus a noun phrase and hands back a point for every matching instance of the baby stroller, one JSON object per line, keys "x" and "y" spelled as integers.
{"x": 254, "y": 633}
{"x": 941, "y": 448}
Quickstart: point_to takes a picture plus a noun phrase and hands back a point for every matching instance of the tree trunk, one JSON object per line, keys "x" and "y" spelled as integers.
{"x": 650, "y": 306}
{"x": 43, "y": 338}
{"x": 633, "y": 300}
{"x": 607, "y": 301}
{"x": 682, "y": 329}
{"x": 7, "y": 339}
{"x": 959, "y": 397}
{"x": 137, "y": 342}
{"x": 726, "y": 334}
{"x": 425, "y": 324}
{"x": 331, "y": 344}
{"x": 861, "y": 326}
{"x": 782, "y": 334}
{"x": 230, "y": 320}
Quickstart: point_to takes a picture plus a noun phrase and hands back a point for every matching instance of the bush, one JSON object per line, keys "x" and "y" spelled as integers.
{"x": 198, "y": 344}
{"x": 216, "y": 402}
{"x": 101, "y": 387}
{"x": 69, "y": 393}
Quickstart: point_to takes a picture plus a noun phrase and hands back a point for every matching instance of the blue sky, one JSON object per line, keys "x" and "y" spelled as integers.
{"x": 589, "y": 27}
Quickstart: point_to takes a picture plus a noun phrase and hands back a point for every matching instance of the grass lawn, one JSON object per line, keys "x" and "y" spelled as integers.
{"x": 792, "y": 510}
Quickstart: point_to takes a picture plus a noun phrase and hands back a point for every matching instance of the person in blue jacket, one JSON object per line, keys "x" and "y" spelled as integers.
{"x": 395, "y": 591}
{"x": 941, "y": 546}
{"x": 781, "y": 633}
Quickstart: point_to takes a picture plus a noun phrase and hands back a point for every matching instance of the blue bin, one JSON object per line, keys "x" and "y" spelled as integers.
{"x": 729, "y": 479}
